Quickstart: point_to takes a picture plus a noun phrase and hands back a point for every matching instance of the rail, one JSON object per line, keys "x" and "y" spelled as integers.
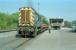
{"x": 1, "y": 31}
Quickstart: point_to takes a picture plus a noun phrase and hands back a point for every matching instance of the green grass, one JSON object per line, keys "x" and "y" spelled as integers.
{"x": 8, "y": 21}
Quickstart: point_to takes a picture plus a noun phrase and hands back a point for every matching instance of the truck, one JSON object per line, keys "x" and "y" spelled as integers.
{"x": 56, "y": 23}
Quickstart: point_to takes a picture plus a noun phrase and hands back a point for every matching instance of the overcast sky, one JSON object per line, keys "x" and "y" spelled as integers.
{"x": 49, "y": 8}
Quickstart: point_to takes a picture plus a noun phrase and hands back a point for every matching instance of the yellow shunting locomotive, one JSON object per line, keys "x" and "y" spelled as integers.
{"x": 29, "y": 22}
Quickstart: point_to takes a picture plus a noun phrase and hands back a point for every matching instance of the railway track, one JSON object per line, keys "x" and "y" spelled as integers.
{"x": 4, "y": 44}
{"x": 21, "y": 44}
{"x": 14, "y": 44}
{"x": 2, "y": 31}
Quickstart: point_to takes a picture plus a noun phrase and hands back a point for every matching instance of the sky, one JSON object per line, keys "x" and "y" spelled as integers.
{"x": 65, "y": 9}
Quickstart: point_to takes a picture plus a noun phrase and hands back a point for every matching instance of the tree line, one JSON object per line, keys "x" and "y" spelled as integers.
{"x": 69, "y": 24}
{"x": 10, "y": 21}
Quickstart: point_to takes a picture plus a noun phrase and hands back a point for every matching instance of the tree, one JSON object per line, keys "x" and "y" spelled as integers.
{"x": 67, "y": 24}
{"x": 74, "y": 22}
{"x": 8, "y": 21}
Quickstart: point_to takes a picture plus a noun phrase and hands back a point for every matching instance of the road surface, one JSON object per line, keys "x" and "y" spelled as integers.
{"x": 56, "y": 40}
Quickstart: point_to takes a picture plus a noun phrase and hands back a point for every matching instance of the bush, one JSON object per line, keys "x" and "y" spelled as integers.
{"x": 8, "y": 21}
